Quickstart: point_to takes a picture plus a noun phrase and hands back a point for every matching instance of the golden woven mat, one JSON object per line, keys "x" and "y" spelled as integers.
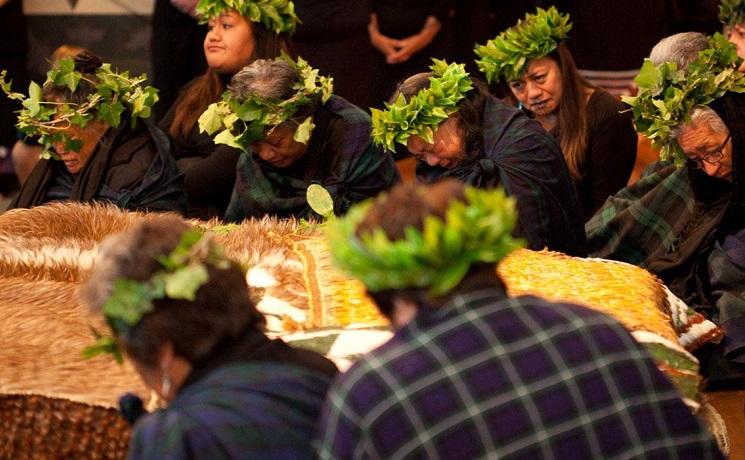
{"x": 630, "y": 294}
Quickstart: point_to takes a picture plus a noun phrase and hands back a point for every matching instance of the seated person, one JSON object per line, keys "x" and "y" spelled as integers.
{"x": 231, "y": 391}
{"x": 592, "y": 127}
{"x": 97, "y": 144}
{"x": 294, "y": 133}
{"x": 238, "y": 32}
{"x": 470, "y": 373}
{"x": 692, "y": 200}
{"x": 455, "y": 128}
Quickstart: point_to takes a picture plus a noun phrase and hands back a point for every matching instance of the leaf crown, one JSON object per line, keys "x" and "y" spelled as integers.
{"x": 276, "y": 15}
{"x": 731, "y": 12}
{"x": 667, "y": 94}
{"x": 242, "y": 121}
{"x": 184, "y": 272}
{"x": 436, "y": 257}
{"x": 534, "y": 37}
{"x": 423, "y": 112}
{"x": 48, "y": 120}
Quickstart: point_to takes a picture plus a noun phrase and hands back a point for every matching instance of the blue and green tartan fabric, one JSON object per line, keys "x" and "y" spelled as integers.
{"x": 248, "y": 410}
{"x": 646, "y": 221}
{"x": 520, "y": 156}
{"x": 512, "y": 378}
{"x": 341, "y": 157}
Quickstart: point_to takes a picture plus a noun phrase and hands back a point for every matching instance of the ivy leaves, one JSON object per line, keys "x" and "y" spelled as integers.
{"x": 240, "y": 123}
{"x": 114, "y": 94}
{"x": 731, "y": 12}
{"x": 320, "y": 200}
{"x": 507, "y": 55}
{"x": 421, "y": 115}
{"x": 667, "y": 94}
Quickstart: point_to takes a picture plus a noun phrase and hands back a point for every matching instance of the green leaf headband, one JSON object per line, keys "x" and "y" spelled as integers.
{"x": 437, "y": 257}
{"x": 422, "y": 113}
{"x": 732, "y": 12}
{"x": 184, "y": 272}
{"x": 667, "y": 94}
{"x": 243, "y": 122}
{"x": 48, "y": 120}
{"x": 276, "y": 15}
{"x": 534, "y": 37}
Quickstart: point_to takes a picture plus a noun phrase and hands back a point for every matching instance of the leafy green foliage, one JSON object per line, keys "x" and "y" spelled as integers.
{"x": 319, "y": 199}
{"x": 732, "y": 12}
{"x": 421, "y": 114}
{"x": 184, "y": 272}
{"x": 105, "y": 344}
{"x": 437, "y": 257}
{"x": 668, "y": 94}
{"x": 239, "y": 123}
{"x": 48, "y": 120}
{"x": 276, "y": 15}
{"x": 534, "y": 37}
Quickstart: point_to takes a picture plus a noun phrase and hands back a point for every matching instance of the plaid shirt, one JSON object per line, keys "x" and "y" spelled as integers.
{"x": 488, "y": 376}
{"x": 657, "y": 223}
{"x": 248, "y": 410}
{"x": 340, "y": 157}
{"x": 519, "y": 155}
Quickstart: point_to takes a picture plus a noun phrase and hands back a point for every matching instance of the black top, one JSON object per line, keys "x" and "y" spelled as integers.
{"x": 208, "y": 168}
{"x": 403, "y": 18}
{"x": 610, "y": 153}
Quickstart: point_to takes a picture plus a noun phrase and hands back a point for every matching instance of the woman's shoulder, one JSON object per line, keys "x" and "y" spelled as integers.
{"x": 603, "y": 104}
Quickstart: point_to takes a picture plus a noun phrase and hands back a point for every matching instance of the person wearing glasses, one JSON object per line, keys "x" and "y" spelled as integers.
{"x": 684, "y": 220}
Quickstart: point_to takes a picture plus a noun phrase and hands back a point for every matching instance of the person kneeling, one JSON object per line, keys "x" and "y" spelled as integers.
{"x": 471, "y": 373}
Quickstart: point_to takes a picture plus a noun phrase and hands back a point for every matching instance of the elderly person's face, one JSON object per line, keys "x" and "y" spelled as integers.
{"x": 707, "y": 149}
{"x": 736, "y": 35}
{"x": 229, "y": 43}
{"x": 89, "y": 136}
{"x": 539, "y": 89}
{"x": 278, "y": 148}
{"x": 448, "y": 149}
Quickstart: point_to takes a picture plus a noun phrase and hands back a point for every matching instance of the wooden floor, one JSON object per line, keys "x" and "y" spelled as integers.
{"x": 731, "y": 406}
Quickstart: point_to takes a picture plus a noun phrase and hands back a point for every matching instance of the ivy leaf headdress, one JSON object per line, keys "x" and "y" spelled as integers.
{"x": 48, "y": 120}
{"x": 439, "y": 256}
{"x": 276, "y": 15}
{"x": 241, "y": 122}
{"x": 184, "y": 272}
{"x": 667, "y": 94}
{"x": 534, "y": 37}
{"x": 424, "y": 111}
{"x": 732, "y": 12}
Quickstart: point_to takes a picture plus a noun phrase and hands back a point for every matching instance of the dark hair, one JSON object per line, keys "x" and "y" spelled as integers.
{"x": 86, "y": 63}
{"x": 209, "y": 87}
{"x": 470, "y": 109}
{"x": 222, "y": 309}
{"x": 408, "y": 205}
{"x": 572, "y": 116}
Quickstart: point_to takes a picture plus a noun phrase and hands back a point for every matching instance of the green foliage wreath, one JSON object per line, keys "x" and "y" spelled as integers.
{"x": 437, "y": 257}
{"x": 667, "y": 94}
{"x": 422, "y": 113}
{"x": 49, "y": 120}
{"x": 534, "y": 37}
{"x": 276, "y": 15}
{"x": 241, "y": 122}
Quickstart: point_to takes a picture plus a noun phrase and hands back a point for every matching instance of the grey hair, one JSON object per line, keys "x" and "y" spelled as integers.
{"x": 267, "y": 79}
{"x": 681, "y": 49}
{"x": 702, "y": 115}
{"x": 411, "y": 86}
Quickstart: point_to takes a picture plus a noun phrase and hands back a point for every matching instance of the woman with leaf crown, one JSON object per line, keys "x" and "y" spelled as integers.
{"x": 180, "y": 312}
{"x": 97, "y": 144}
{"x": 456, "y": 128}
{"x": 732, "y": 16}
{"x": 684, "y": 220}
{"x": 239, "y": 32}
{"x": 596, "y": 135}
{"x": 294, "y": 132}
